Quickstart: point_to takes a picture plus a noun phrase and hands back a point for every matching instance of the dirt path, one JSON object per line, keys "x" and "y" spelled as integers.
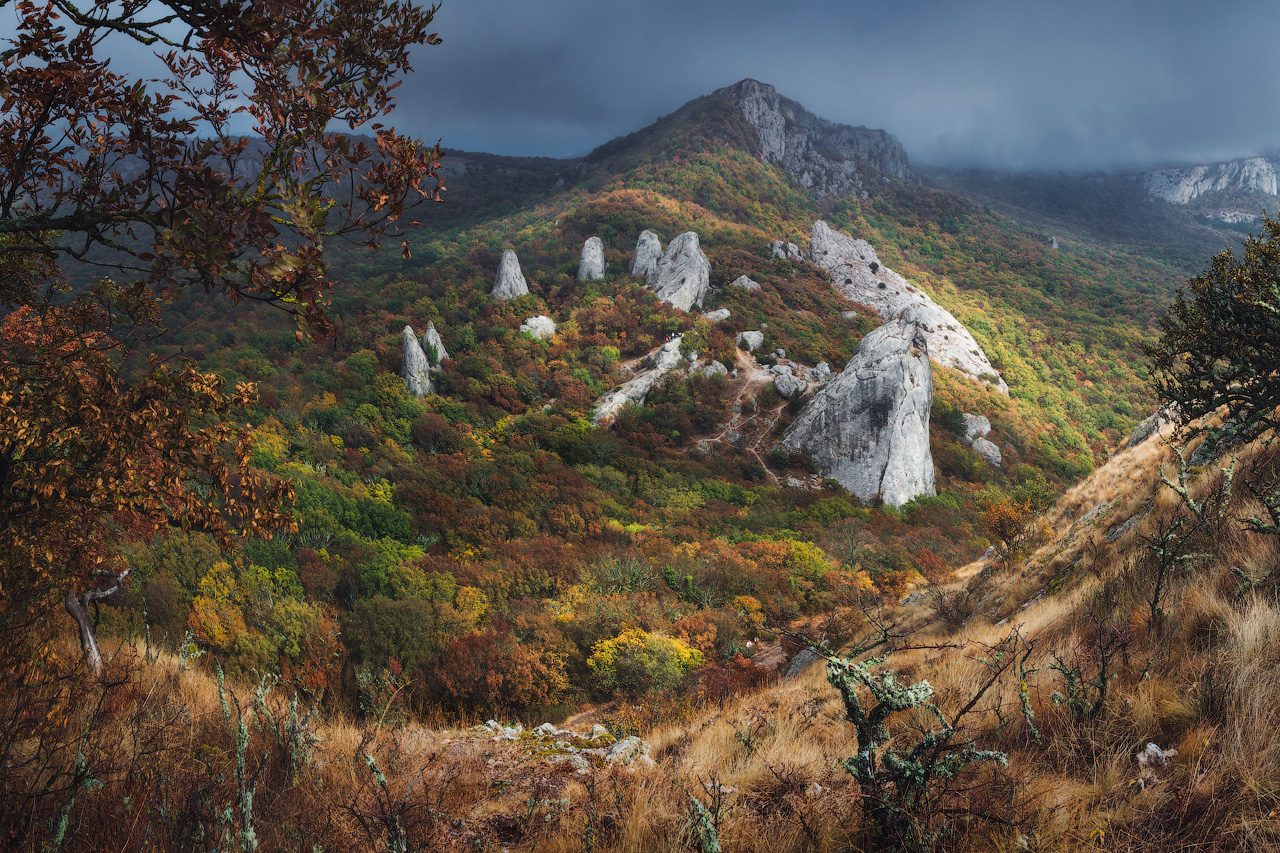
{"x": 755, "y": 429}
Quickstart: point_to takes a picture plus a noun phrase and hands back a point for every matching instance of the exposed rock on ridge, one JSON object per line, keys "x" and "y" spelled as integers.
{"x": 868, "y": 428}
{"x": 1182, "y": 186}
{"x": 665, "y": 358}
{"x": 857, "y": 273}
{"x": 682, "y": 277}
{"x": 591, "y": 266}
{"x": 820, "y": 155}
{"x": 415, "y": 367}
{"x": 509, "y": 282}
{"x": 648, "y": 253}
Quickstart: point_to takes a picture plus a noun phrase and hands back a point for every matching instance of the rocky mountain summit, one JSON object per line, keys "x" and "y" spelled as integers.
{"x": 868, "y": 428}
{"x": 857, "y": 273}
{"x": 820, "y": 155}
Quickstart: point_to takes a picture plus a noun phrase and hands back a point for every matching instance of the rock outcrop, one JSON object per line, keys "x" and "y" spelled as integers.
{"x": 717, "y": 315}
{"x": 415, "y": 367}
{"x": 988, "y": 451}
{"x": 509, "y": 282}
{"x": 976, "y": 430}
{"x": 632, "y": 392}
{"x": 857, "y": 273}
{"x": 786, "y": 251}
{"x": 1182, "y": 186}
{"x": 591, "y": 265}
{"x": 819, "y": 155}
{"x": 541, "y": 326}
{"x": 682, "y": 277}
{"x": 868, "y": 428}
{"x": 788, "y": 385}
{"x": 1160, "y": 419}
{"x": 750, "y": 340}
{"x": 745, "y": 283}
{"x": 648, "y": 253}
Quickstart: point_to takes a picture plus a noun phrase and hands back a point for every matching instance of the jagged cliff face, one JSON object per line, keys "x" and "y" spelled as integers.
{"x": 857, "y": 273}
{"x": 820, "y": 155}
{"x": 1183, "y": 186}
{"x": 868, "y": 429}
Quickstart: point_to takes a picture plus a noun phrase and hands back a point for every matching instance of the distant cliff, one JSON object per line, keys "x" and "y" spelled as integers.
{"x": 1182, "y": 186}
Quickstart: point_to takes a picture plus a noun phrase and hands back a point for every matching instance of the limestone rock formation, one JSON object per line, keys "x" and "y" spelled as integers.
{"x": 788, "y": 385}
{"x": 786, "y": 251}
{"x": 868, "y": 428}
{"x": 750, "y": 340}
{"x": 857, "y": 273}
{"x": 988, "y": 451}
{"x": 510, "y": 281}
{"x": 820, "y": 155}
{"x": 431, "y": 343}
{"x": 821, "y": 372}
{"x": 975, "y": 426}
{"x": 591, "y": 266}
{"x": 1162, "y": 417}
{"x": 1182, "y": 186}
{"x": 682, "y": 277}
{"x": 648, "y": 253}
{"x": 415, "y": 369}
{"x": 665, "y": 358}
{"x": 715, "y": 368}
{"x": 717, "y": 315}
{"x": 745, "y": 283}
{"x": 540, "y": 327}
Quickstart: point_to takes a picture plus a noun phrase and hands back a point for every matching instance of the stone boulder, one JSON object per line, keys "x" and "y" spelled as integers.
{"x": 648, "y": 253}
{"x": 541, "y": 326}
{"x": 786, "y": 251}
{"x": 717, "y": 315}
{"x": 591, "y": 266}
{"x": 683, "y": 276}
{"x": 715, "y": 368}
{"x": 868, "y": 428}
{"x": 745, "y": 283}
{"x": 509, "y": 282}
{"x": 415, "y": 368}
{"x": 858, "y": 275}
{"x": 988, "y": 451}
{"x": 788, "y": 386}
{"x": 750, "y": 340}
{"x": 975, "y": 426}
{"x": 820, "y": 373}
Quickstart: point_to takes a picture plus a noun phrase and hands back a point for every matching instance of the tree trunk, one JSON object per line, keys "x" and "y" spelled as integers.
{"x": 79, "y": 610}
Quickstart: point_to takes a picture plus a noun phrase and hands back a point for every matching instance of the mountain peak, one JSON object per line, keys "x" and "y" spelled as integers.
{"x": 818, "y": 154}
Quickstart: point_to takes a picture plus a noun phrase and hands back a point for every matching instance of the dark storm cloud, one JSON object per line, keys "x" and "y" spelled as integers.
{"x": 1004, "y": 83}
{"x": 1082, "y": 84}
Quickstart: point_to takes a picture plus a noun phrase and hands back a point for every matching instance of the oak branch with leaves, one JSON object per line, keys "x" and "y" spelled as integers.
{"x": 225, "y": 170}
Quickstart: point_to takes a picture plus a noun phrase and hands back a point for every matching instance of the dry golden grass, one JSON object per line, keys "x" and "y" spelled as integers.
{"x": 1205, "y": 680}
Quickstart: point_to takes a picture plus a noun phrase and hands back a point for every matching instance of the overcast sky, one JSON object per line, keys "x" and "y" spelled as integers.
{"x": 1020, "y": 84}
{"x": 1004, "y": 83}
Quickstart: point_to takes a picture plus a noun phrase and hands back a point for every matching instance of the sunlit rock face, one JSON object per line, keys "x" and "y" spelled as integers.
{"x": 509, "y": 282}
{"x": 857, "y": 274}
{"x": 682, "y": 277}
{"x": 591, "y": 265}
{"x": 648, "y": 253}
{"x": 415, "y": 370}
{"x": 868, "y": 428}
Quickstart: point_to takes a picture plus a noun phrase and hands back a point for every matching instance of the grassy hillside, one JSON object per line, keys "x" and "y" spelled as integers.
{"x": 492, "y": 529}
